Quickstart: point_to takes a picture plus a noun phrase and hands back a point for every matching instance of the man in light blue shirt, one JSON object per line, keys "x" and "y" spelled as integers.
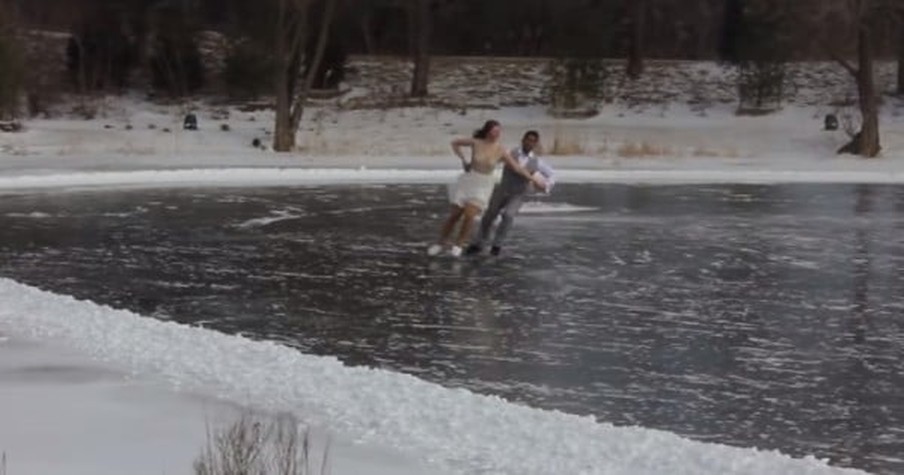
{"x": 509, "y": 194}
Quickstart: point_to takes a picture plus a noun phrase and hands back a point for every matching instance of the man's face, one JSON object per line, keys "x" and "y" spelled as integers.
{"x": 528, "y": 142}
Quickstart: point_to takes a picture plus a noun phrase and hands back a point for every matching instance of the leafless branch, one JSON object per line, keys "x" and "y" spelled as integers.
{"x": 314, "y": 65}
{"x": 843, "y": 62}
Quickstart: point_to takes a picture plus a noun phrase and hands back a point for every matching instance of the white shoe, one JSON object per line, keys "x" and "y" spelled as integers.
{"x": 455, "y": 251}
{"x": 434, "y": 250}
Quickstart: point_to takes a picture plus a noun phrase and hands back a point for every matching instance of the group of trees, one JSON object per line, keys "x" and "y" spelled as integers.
{"x": 286, "y": 48}
{"x": 11, "y": 65}
{"x": 276, "y": 47}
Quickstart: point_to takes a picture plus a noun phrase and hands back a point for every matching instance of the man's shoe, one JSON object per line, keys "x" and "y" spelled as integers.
{"x": 455, "y": 251}
{"x": 472, "y": 250}
{"x": 495, "y": 250}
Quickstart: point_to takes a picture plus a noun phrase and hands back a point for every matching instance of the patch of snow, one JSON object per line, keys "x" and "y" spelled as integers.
{"x": 453, "y": 429}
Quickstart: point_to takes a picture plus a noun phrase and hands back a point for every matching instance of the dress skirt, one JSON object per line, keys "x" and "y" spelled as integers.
{"x": 472, "y": 188}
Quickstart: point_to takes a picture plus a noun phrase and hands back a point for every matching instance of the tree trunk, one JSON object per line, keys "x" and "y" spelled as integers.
{"x": 284, "y": 137}
{"x": 636, "y": 40}
{"x": 865, "y": 142}
{"x": 367, "y": 34}
{"x": 421, "y": 47}
{"x": 365, "y": 19}
{"x": 319, "y": 51}
{"x": 901, "y": 56}
{"x": 82, "y": 68}
{"x": 143, "y": 31}
{"x": 869, "y": 106}
{"x": 286, "y": 51}
{"x": 290, "y": 43}
{"x": 284, "y": 134}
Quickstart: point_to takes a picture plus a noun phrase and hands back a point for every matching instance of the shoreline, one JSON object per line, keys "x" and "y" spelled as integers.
{"x": 307, "y": 176}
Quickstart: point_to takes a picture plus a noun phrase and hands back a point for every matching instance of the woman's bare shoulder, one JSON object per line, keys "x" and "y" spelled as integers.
{"x": 485, "y": 148}
{"x": 464, "y": 141}
{"x": 499, "y": 150}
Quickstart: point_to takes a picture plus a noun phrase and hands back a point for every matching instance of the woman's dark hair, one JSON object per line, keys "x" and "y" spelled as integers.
{"x": 484, "y": 131}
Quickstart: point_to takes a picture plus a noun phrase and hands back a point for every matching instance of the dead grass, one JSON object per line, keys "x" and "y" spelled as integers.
{"x": 703, "y": 152}
{"x": 603, "y": 149}
{"x": 645, "y": 149}
{"x": 562, "y": 145}
{"x": 255, "y": 446}
{"x": 132, "y": 149}
{"x": 642, "y": 149}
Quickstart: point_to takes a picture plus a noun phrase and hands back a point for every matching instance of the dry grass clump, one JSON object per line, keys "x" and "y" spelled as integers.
{"x": 642, "y": 149}
{"x": 251, "y": 446}
{"x": 710, "y": 153}
{"x": 565, "y": 146}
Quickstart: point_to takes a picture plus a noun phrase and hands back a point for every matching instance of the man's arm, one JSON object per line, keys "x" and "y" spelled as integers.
{"x": 548, "y": 173}
{"x": 515, "y": 152}
{"x": 518, "y": 167}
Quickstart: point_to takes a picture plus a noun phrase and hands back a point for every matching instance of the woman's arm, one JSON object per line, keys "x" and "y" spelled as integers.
{"x": 457, "y": 144}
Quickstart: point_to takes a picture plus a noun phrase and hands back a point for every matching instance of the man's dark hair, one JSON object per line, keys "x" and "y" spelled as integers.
{"x": 533, "y": 133}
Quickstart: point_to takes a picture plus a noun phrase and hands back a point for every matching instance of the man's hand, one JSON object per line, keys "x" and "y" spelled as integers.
{"x": 539, "y": 182}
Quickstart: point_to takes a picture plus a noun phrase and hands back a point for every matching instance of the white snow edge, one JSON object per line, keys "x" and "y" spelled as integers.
{"x": 324, "y": 176}
{"x": 451, "y": 427}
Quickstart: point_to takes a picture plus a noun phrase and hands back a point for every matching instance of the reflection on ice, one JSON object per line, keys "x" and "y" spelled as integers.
{"x": 538, "y": 207}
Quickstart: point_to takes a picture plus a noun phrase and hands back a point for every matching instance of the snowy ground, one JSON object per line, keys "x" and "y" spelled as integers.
{"x": 680, "y": 145}
{"x": 454, "y": 429}
{"x": 65, "y": 412}
{"x": 681, "y": 115}
{"x": 65, "y": 363}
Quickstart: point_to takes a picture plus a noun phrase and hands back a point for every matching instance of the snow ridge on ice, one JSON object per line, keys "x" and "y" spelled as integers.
{"x": 453, "y": 428}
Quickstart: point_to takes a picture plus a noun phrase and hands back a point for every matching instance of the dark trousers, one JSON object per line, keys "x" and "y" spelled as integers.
{"x": 506, "y": 203}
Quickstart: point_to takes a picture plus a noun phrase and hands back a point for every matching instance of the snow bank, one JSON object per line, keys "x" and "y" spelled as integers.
{"x": 450, "y": 427}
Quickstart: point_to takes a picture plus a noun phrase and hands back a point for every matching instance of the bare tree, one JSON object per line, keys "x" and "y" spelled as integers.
{"x": 857, "y": 17}
{"x": 100, "y": 50}
{"x": 363, "y": 12}
{"x": 900, "y": 51}
{"x": 637, "y": 18}
{"x": 11, "y": 65}
{"x": 290, "y": 35}
{"x": 866, "y": 142}
{"x": 175, "y": 61}
{"x": 419, "y": 13}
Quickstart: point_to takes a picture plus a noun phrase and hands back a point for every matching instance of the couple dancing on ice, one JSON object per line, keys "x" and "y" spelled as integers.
{"x": 476, "y": 190}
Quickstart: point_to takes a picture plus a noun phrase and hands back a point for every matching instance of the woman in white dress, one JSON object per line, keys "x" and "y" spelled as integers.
{"x": 470, "y": 194}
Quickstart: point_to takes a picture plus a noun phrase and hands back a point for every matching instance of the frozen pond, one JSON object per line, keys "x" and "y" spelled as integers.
{"x": 767, "y": 316}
